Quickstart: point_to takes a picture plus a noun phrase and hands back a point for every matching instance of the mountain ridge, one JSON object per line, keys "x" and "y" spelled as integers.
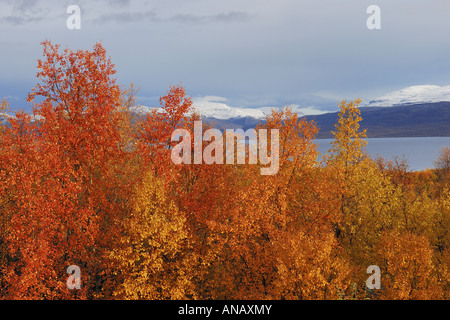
{"x": 409, "y": 120}
{"x": 416, "y": 120}
{"x": 418, "y": 94}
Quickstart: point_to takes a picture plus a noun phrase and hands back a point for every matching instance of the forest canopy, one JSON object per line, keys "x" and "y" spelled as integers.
{"x": 86, "y": 182}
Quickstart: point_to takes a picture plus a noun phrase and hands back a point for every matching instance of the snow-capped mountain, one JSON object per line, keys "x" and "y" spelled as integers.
{"x": 211, "y": 107}
{"x": 141, "y": 110}
{"x": 214, "y": 107}
{"x": 422, "y": 110}
{"x": 416, "y": 111}
{"x": 413, "y": 95}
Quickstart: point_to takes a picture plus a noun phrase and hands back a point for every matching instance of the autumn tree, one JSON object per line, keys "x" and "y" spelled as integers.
{"x": 406, "y": 263}
{"x": 85, "y": 180}
{"x": 365, "y": 194}
{"x": 348, "y": 139}
{"x": 346, "y": 153}
{"x": 67, "y": 207}
{"x": 277, "y": 240}
{"x": 154, "y": 260}
{"x": 345, "y": 156}
{"x": 4, "y": 213}
{"x": 442, "y": 164}
{"x": 155, "y": 132}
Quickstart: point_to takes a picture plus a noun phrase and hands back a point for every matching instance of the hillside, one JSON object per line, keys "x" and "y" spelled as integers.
{"x": 419, "y": 120}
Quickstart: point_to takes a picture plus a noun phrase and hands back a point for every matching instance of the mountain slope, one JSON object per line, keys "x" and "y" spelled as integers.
{"x": 411, "y": 120}
{"x": 213, "y": 107}
{"x": 413, "y": 95}
{"x": 418, "y": 120}
{"x": 416, "y": 111}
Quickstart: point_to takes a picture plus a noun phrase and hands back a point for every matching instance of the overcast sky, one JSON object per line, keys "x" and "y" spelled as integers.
{"x": 253, "y": 53}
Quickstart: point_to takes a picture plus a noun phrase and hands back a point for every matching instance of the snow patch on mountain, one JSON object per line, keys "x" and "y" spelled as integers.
{"x": 215, "y": 107}
{"x": 413, "y": 95}
{"x": 141, "y": 110}
{"x": 301, "y": 111}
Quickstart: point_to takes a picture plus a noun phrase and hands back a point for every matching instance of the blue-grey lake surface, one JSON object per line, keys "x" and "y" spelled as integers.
{"x": 420, "y": 152}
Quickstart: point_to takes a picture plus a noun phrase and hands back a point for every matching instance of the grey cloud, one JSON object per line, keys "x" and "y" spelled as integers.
{"x": 233, "y": 16}
{"x": 18, "y": 20}
{"x": 122, "y": 3}
{"x": 255, "y": 53}
{"x": 25, "y": 12}
{"x": 23, "y": 6}
{"x": 125, "y": 17}
{"x": 115, "y": 11}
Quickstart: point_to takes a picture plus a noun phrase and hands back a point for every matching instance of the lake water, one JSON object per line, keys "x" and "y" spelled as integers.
{"x": 420, "y": 152}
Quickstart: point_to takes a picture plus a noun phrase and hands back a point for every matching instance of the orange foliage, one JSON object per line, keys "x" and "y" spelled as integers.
{"x": 86, "y": 182}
